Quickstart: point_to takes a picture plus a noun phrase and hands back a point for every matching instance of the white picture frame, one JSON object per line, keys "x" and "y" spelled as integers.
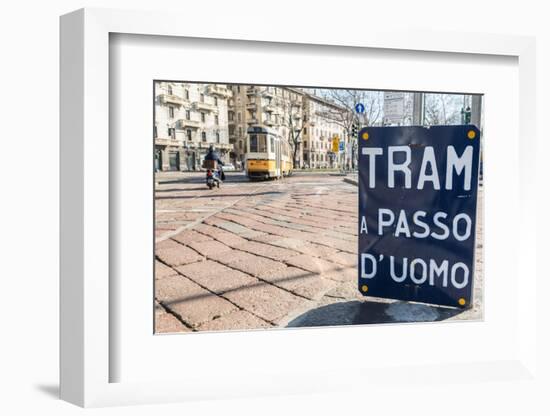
{"x": 86, "y": 356}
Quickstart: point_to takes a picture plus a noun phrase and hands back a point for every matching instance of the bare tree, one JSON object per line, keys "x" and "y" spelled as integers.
{"x": 442, "y": 109}
{"x": 345, "y": 115}
{"x": 292, "y": 112}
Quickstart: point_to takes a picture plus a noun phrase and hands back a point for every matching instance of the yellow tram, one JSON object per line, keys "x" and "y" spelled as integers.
{"x": 268, "y": 155}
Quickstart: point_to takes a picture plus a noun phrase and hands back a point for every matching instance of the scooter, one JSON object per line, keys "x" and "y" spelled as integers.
{"x": 212, "y": 178}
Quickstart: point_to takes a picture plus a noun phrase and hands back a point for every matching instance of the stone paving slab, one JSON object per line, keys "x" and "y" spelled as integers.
{"x": 301, "y": 246}
{"x": 207, "y": 248}
{"x": 313, "y": 264}
{"x": 228, "y": 257}
{"x": 301, "y": 282}
{"x": 175, "y": 254}
{"x": 191, "y": 303}
{"x": 225, "y": 237}
{"x": 347, "y": 290}
{"x": 237, "y": 320}
{"x": 166, "y": 323}
{"x": 246, "y": 262}
{"x": 344, "y": 258}
{"x": 342, "y": 274}
{"x": 266, "y": 301}
{"x": 161, "y": 270}
{"x": 257, "y": 266}
{"x": 266, "y": 250}
{"x": 187, "y": 237}
{"x": 216, "y": 277}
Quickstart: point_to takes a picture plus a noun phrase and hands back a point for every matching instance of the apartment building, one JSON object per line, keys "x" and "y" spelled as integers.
{"x": 292, "y": 112}
{"x": 188, "y": 118}
{"x": 278, "y": 108}
{"x": 321, "y": 128}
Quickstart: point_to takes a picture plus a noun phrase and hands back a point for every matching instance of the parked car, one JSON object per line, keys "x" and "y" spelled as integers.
{"x": 228, "y": 167}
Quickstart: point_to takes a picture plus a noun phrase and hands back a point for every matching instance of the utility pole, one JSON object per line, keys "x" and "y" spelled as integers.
{"x": 476, "y": 110}
{"x": 418, "y": 109}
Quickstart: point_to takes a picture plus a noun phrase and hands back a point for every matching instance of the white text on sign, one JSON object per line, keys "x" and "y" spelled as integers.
{"x": 455, "y": 164}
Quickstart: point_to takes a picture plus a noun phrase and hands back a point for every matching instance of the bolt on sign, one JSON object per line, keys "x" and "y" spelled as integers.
{"x": 417, "y": 213}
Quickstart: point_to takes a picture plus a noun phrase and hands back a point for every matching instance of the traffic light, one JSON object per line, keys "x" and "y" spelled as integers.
{"x": 354, "y": 129}
{"x": 467, "y": 115}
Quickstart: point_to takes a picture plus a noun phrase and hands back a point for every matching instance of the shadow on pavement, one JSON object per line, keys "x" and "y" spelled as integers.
{"x": 369, "y": 312}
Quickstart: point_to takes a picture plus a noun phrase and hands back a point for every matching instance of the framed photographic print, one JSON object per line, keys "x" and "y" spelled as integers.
{"x": 277, "y": 212}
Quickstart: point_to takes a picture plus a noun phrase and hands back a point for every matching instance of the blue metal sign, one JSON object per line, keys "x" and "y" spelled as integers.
{"x": 417, "y": 213}
{"x": 341, "y": 146}
{"x": 360, "y": 108}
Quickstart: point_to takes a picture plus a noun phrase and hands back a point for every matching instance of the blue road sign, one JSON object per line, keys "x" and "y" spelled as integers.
{"x": 417, "y": 213}
{"x": 360, "y": 108}
{"x": 341, "y": 146}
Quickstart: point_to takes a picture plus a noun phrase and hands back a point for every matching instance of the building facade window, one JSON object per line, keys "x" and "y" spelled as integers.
{"x": 203, "y": 117}
{"x": 186, "y": 94}
{"x": 189, "y": 135}
{"x": 217, "y": 119}
{"x": 170, "y": 92}
{"x": 171, "y": 112}
{"x": 239, "y": 116}
{"x": 217, "y": 137}
{"x": 203, "y": 136}
{"x": 216, "y": 101}
{"x": 188, "y": 114}
{"x": 202, "y": 98}
{"x": 172, "y": 133}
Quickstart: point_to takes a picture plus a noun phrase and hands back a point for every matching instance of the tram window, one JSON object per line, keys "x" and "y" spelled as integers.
{"x": 262, "y": 143}
{"x": 253, "y": 143}
{"x": 272, "y": 144}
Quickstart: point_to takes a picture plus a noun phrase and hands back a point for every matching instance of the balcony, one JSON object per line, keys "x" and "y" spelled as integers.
{"x": 251, "y": 91}
{"x": 252, "y": 121}
{"x": 271, "y": 109}
{"x": 204, "y": 106}
{"x": 193, "y": 124}
{"x": 162, "y": 141}
{"x": 268, "y": 93}
{"x": 171, "y": 99}
{"x": 222, "y": 92}
{"x": 251, "y": 105}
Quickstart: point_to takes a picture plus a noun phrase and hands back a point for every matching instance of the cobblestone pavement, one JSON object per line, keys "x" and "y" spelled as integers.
{"x": 254, "y": 255}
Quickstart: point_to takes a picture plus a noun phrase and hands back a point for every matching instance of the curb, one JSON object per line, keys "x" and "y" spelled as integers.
{"x": 351, "y": 181}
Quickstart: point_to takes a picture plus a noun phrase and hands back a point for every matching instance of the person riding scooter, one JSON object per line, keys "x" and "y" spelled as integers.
{"x": 212, "y": 155}
{"x": 214, "y": 174}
